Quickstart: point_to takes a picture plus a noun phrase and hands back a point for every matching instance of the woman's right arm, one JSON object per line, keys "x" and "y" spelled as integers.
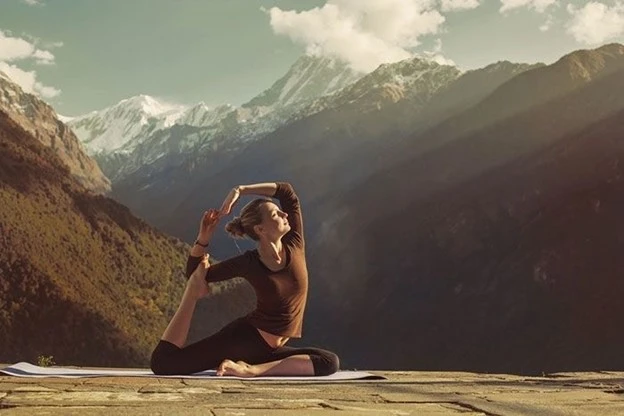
{"x": 207, "y": 226}
{"x": 233, "y": 267}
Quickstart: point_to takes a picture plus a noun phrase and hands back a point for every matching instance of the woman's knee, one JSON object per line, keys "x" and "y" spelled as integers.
{"x": 161, "y": 361}
{"x": 325, "y": 364}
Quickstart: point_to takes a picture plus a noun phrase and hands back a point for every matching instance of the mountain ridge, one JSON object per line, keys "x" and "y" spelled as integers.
{"x": 455, "y": 224}
{"x": 81, "y": 278}
{"x": 40, "y": 119}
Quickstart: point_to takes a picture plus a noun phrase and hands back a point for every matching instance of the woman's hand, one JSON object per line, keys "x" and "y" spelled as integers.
{"x": 230, "y": 200}
{"x": 208, "y": 224}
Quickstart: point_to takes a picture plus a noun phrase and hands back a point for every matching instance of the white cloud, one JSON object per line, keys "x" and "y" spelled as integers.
{"x": 436, "y": 54}
{"x": 46, "y": 45}
{"x": 27, "y": 80}
{"x": 545, "y": 27}
{"x": 364, "y": 33}
{"x": 14, "y": 49}
{"x": 439, "y": 59}
{"x": 33, "y": 2}
{"x": 452, "y": 5}
{"x": 437, "y": 47}
{"x": 45, "y": 91}
{"x": 43, "y": 57}
{"x": 539, "y": 6}
{"x": 596, "y": 22}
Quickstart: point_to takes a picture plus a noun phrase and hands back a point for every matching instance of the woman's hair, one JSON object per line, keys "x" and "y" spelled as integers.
{"x": 249, "y": 216}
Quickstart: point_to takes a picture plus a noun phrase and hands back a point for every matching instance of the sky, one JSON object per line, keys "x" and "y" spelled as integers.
{"x": 85, "y": 55}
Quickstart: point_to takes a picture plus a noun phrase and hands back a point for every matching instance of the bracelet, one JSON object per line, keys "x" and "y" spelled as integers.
{"x": 200, "y": 244}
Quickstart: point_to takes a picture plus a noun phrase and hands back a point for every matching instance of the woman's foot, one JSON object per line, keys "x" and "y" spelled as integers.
{"x": 196, "y": 284}
{"x": 237, "y": 369}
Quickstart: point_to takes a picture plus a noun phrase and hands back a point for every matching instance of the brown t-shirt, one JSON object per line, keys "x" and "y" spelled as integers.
{"x": 281, "y": 295}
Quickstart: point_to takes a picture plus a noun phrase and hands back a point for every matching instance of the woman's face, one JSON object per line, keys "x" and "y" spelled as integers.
{"x": 274, "y": 221}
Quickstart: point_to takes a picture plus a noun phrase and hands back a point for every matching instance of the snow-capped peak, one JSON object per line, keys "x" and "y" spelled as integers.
{"x": 308, "y": 78}
{"x": 203, "y": 115}
{"x": 148, "y": 105}
{"x": 131, "y": 120}
{"x": 112, "y": 127}
{"x": 124, "y": 125}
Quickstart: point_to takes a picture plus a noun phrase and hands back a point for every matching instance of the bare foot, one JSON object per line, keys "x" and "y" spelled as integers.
{"x": 237, "y": 369}
{"x": 197, "y": 284}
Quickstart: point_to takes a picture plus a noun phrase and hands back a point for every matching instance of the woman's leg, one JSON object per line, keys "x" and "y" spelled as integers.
{"x": 237, "y": 340}
{"x": 324, "y": 362}
{"x": 196, "y": 288}
{"x": 238, "y": 349}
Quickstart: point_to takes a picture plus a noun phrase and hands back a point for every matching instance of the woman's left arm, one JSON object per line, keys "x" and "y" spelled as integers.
{"x": 289, "y": 202}
{"x": 283, "y": 191}
{"x": 266, "y": 189}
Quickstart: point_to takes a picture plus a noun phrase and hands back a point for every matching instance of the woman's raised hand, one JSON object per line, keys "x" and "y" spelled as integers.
{"x": 208, "y": 224}
{"x": 230, "y": 200}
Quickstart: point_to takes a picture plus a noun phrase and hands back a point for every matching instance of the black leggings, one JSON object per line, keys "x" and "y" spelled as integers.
{"x": 238, "y": 340}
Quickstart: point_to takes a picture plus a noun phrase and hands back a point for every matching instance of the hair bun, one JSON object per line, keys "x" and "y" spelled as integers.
{"x": 235, "y": 228}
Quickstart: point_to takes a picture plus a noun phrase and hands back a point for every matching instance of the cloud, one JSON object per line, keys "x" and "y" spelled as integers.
{"x": 45, "y": 91}
{"x": 364, "y": 33}
{"x": 539, "y": 6}
{"x": 27, "y": 80}
{"x": 13, "y": 49}
{"x": 545, "y": 27}
{"x": 435, "y": 54}
{"x": 33, "y": 2}
{"x": 452, "y": 5}
{"x": 43, "y": 57}
{"x": 596, "y": 22}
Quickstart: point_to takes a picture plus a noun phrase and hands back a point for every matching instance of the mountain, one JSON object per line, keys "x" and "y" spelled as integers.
{"x": 38, "y": 118}
{"x": 308, "y": 78}
{"x": 127, "y": 138}
{"x": 81, "y": 278}
{"x": 398, "y": 223}
{"x": 538, "y": 86}
{"x": 414, "y": 79}
{"x": 495, "y": 250}
{"x": 474, "y": 225}
{"x": 202, "y": 115}
{"x": 175, "y": 173}
{"x": 470, "y": 88}
{"x": 109, "y": 129}
{"x": 338, "y": 146}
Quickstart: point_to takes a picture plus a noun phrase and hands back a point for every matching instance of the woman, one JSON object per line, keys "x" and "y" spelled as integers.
{"x": 252, "y": 345}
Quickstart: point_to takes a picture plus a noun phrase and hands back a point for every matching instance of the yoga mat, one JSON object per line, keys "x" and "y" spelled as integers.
{"x": 24, "y": 369}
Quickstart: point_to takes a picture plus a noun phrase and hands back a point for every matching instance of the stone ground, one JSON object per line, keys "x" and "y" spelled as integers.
{"x": 403, "y": 393}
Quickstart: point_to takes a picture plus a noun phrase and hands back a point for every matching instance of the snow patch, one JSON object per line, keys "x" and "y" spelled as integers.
{"x": 64, "y": 119}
